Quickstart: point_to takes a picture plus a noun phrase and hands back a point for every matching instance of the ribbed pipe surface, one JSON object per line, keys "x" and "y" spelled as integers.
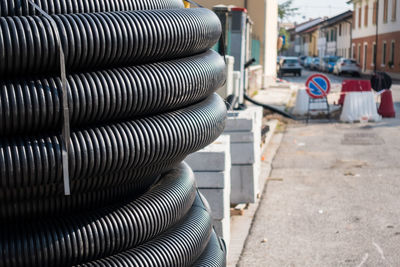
{"x": 23, "y": 7}
{"x": 100, "y": 40}
{"x": 97, "y": 152}
{"x": 141, "y": 177}
{"x": 115, "y": 94}
{"x": 179, "y": 247}
{"x": 79, "y": 238}
{"x": 213, "y": 255}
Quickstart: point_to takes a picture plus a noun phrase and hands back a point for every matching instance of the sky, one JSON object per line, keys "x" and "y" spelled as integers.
{"x": 317, "y": 8}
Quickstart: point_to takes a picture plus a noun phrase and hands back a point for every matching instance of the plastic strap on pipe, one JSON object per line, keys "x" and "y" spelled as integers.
{"x": 65, "y": 114}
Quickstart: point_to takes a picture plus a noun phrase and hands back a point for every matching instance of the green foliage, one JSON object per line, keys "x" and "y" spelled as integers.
{"x": 286, "y": 10}
{"x": 282, "y": 31}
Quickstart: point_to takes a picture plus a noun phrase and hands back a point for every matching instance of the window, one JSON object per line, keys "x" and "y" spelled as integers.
{"x": 365, "y": 57}
{"x": 359, "y": 17}
{"x": 359, "y": 53}
{"x": 385, "y": 10}
{"x": 384, "y": 54}
{"x": 394, "y": 8}
{"x": 392, "y": 53}
{"x": 340, "y": 29}
{"x": 374, "y": 13}
{"x": 373, "y": 54}
{"x": 366, "y": 16}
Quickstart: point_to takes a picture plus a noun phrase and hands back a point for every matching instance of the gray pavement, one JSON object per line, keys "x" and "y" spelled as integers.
{"x": 333, "y": 197}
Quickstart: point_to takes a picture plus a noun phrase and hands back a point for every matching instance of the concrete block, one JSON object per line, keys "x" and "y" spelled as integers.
{"x": 219, "y": 200}
{"x": 223, "y": 229}
{"x": 241, "y": 137}
{"x": 244, "y": 120}
{"x": 211, "y": 180}
{"x": 244, "y": 183}
{"x": 214, "y": 157}
{"x": 238, "y": 121}
{"x": 245, "y": 133}
{"x": 258, "y": 113}
{"x": 245, "y": 153}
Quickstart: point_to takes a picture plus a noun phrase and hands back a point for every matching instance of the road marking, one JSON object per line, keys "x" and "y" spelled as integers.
{"x": 380, "y": 251}
{"x": 364, "y": 260}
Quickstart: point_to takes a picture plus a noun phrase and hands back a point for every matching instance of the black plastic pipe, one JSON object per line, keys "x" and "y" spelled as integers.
{"x": 102, "y": 96}
{"x": 271, "y": 108}
{"x": 104, "y": 40}
{"x": 23, "y": 7}
{"x": 109, "y": 230}
{"x": 179, "y": 247}
{"x": 100, "y": 151}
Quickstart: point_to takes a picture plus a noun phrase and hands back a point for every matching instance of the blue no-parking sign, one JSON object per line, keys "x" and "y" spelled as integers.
{"x": 318, "y": 86}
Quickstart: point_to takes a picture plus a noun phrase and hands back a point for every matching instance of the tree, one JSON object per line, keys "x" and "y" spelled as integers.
{"x": 286, "y": 10}
{"x": 283, "y": 32}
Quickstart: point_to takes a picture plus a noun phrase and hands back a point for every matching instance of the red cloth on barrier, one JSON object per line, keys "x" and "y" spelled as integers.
{"x": 354, "y": 86}
{"x": 386, "y": 109}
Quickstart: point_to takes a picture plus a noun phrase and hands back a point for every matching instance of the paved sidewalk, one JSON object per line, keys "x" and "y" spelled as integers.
{"x": 277, "y": 95}
{"x": 333, "y": 198}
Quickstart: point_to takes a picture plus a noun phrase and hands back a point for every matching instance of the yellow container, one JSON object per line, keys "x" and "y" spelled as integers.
{"x": 187, "y": 4}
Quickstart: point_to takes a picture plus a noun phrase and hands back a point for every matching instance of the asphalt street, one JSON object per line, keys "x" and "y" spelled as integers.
{"x": 333, "y": 197}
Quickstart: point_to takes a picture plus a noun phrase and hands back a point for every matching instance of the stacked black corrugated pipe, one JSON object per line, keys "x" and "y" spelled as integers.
{"x": 140, "y": 88}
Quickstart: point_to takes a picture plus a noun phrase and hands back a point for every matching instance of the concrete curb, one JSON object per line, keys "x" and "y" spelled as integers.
{"x": 241, "y": 225}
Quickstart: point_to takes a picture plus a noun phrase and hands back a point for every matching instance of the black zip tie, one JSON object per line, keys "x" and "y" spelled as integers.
{"x": 65, "y": 134}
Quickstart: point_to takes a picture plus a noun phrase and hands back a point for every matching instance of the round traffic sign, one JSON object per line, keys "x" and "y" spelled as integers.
{"x": 318, "y": 86}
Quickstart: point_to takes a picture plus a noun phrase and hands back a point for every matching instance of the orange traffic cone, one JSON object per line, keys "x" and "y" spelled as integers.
{"x": 386, "y": 109}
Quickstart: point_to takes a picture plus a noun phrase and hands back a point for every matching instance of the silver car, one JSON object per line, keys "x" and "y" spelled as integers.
{"x": 315, "y": 64}
{"x": 289, "y": 65}
{"x": 348, "y": 66}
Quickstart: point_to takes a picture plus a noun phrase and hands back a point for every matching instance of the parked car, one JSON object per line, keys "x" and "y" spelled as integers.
{"x": 348, "y": 66}
{"x": 328, "y": 63}
{"x": 302, "y": 60}
{"x": 315, "y": 63}
{"x": 289, "y": 65}
{"x": 307, "y": 62}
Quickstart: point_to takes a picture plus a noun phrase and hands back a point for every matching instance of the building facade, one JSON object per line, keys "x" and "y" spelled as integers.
{"x": 376, "y": 35}
{"x": 306, "y": 38}
{"x": 324, "y": 36}
{"x": 335, "y": 36}
{"x": 345, "y": 36}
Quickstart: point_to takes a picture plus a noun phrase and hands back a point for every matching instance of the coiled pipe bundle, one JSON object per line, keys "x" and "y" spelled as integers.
{"x": 140, "y": 86}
